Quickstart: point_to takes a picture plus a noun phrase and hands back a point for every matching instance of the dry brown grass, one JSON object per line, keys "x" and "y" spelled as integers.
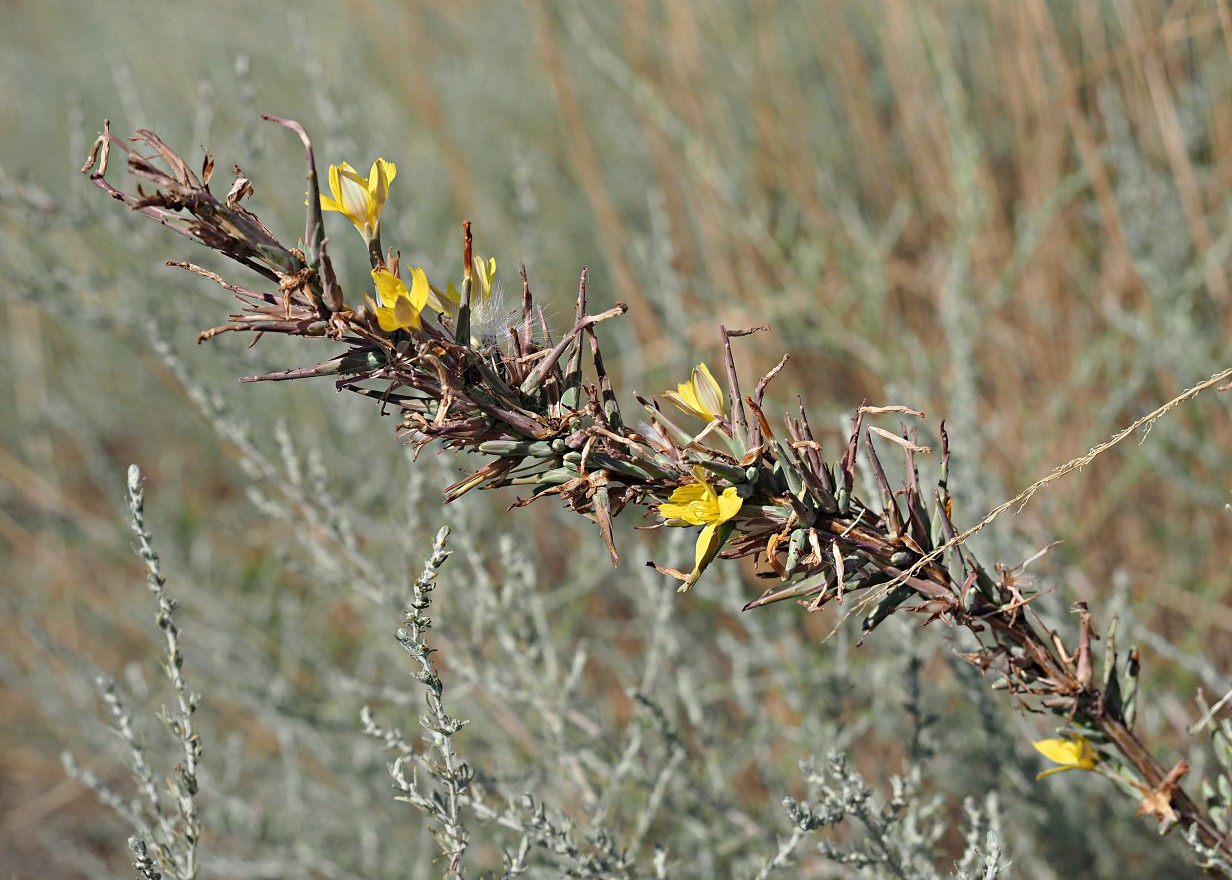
{"x": 996, "y": 212}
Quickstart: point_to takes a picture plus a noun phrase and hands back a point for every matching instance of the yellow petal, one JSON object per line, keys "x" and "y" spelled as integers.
{"x": 406, "y": 314}
{"x": 389, "y": 287}
{"x": 681, "y": 403}
{"x": 420, "y": 289}
{"x": 337, "y": 200}
{"x": 709, "y": 542}
{"x": 330, "y": 204}
{"x": 445, "y": 301}
{"x": 381, "y": 176}
{"x": 1059, "y": 751}
{"x": 707, "y": 546}
{"x": 699, "y": 396}
{"x": 1050, "y": 771}
{"x": 688, "y": 395}
{"x": 707, "y": 391}
{"x": 353, "y": 193}
{"x": 400, "y": 307}
{"x": 335, "y": 181}
{"x": 729, "y": 504}
{"x": 1070, "y": 754}
{"x": 386, "y": 319}
{"x": 484, "y": 273}
{"x": 360, "y": 199}
{"x": 694, "y": 503}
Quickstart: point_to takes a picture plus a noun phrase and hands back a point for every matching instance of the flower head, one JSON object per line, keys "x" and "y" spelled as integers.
{"x": 399, "y": 307}
{"x": 483, "y": 273}
{"x": 1069, "y": 754}
{"x": 699, "y": 505}
{"x": 700, "y": 396}
{"x": 360, "y": 199}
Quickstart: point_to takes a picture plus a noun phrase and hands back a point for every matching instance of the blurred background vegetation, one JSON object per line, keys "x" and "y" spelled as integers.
{"x": 1013, "y": 216}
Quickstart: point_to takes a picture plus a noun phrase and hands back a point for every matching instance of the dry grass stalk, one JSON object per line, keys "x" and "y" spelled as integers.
{"x": 523, "y": 402}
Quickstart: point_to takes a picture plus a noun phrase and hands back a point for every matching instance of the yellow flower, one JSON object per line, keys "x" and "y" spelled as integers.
{"x": 699, "y": 396}
{"x": 445, "y": 301}
{"x": 360, "y": 199}
{"x": 699, "y": 505}
{"x": 399, "y": 308}
{"x": 482, "y": 275}
{"x": 1070, "y": 754}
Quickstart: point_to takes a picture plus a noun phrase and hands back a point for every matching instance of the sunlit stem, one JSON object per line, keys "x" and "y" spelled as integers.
{"x": 462, "y": 333}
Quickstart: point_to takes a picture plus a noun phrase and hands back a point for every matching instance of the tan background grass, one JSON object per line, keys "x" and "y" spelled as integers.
{"x": 1013, "y": 216}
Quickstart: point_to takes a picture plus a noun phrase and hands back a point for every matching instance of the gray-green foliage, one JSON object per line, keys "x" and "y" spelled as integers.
{"x": 598, "y": 798}
{"x": 608, "y": 716}
{"x": 552, "y": 778}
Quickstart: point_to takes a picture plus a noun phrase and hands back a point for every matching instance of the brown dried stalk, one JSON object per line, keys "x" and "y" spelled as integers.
{"x": 525, "y": 406}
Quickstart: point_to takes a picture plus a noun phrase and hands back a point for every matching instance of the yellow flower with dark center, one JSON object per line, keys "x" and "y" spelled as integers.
{"x": 399, "y": 307}
{"x": 1069, "y": 754}
{"x": 360, "y": 199}
{"x": 700, "y": 396}
{"x": 698, "y": 504}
